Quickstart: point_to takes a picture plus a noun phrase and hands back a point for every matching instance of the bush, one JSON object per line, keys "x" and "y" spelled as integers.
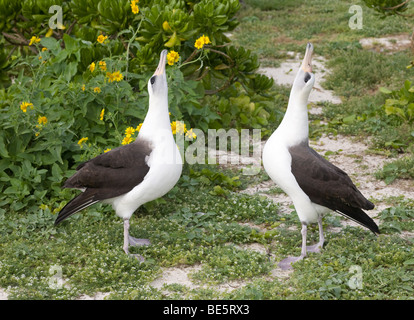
{"x": 68, "y": 94}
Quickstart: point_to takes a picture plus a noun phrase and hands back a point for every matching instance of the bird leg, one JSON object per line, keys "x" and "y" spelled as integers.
{"x": 317, "y": 247}
{"x": 128, "y": 240}
{"x": 286, "y": 263}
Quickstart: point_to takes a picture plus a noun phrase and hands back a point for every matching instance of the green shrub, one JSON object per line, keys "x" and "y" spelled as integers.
{"x": 69, "y": 94}
{"x": 401, "y": 102}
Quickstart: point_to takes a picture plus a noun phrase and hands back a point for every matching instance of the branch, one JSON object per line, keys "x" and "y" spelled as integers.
{"x": 223, "y": 87}
{"x": 71, "y": 26}
{"x": 18, "y": 40}
{"x": 397, "y": 6}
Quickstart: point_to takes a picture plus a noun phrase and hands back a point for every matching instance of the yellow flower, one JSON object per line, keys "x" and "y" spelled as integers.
{"x": 139, "y": 127}
{"x": 127, "y": 140}
{"x": 24, "y": 106}
{"x": 82, "y": 141}
{"x": 117, "y": 76}
{"x": 129, "y": 131}
{"x": 49, "y": 33}
{"x": 42, "y": 120}
{"x": 172, "y": 57}
{"x": 178, "y": 127}
{"x": 97, "y": 89}
{"x": 83, "y": 87}
{"x": 33, "y": 40}
{"x": 102, "y": 38}
{"x": 44, "y": 49}
{"x": 110, "y": 76}
{"x": 107, "y": 150}
{"x": 190, "y": 134}
{"x": 134, "y": 7}
{"x": 102, "y": 114}
{"x": 200, "y": 42}
{"x": 92, "y": 67}
{"x": 102, "y": 65}
{"x": 206, "y": 39}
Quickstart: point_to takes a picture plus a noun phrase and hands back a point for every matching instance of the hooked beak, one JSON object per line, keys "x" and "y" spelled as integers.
{"x": 307, "y": 60}
{"x": 161, "y": 65}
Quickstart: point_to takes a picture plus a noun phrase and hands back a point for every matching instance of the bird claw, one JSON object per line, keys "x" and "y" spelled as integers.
{"x": 140, "y": 258}
{"x": 314, "y": 248}
{"x": 135, "y": 242}
{"x": 286, "y": 264}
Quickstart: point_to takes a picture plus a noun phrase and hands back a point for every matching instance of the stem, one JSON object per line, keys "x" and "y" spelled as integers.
{"x": 412, "y": 42}
{"x": 397, "y": 6}
{"x": 129, "y": 45}
{"x": 71, "y": 27}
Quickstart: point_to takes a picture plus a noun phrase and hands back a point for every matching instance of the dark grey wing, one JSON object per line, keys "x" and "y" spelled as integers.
{"x": 329, "y": 186}
{"x": 107, "y": 176}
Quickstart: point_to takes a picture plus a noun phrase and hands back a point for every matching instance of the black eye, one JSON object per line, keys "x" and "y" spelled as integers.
{"x": 152, "y": 80}
{"x": 307, "y": 77}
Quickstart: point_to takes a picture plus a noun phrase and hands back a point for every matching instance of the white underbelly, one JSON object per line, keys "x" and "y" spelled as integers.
{"x": 277, "y": 163}
{"x": 162, "y": 176}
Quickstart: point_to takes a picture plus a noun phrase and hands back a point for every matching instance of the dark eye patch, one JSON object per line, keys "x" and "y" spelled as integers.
{"x": 152, "y": 80}
{"x": 307, "y": 77}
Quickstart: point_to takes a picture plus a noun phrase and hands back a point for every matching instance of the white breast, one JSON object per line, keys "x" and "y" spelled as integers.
{"x": 277, "y": 163}
{"x": 165, "y": 164}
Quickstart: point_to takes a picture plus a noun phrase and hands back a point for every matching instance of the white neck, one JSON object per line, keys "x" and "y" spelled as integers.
{"x": 157, "y": 120}
{"x": 294, "y": 126}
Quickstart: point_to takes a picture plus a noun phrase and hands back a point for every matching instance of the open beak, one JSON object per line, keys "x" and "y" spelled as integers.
{"x": 307, "y": 61}
{"x": 161, "y": 65}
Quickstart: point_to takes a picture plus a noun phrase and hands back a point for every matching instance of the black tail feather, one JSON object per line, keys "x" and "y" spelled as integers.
{"x": 82, "y": 201}
{"x": 359, "y": 216}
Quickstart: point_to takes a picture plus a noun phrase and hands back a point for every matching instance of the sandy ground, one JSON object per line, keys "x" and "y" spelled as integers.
{"x": 387, "y": 44}
{"x": 286, "y": 73}
{"x": 3, "y": 294}
{"x": 351, "y": 156}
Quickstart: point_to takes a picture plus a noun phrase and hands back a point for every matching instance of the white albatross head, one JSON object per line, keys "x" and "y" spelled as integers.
{"x": 305, "y": 79}
{"x": 157, "y": 84}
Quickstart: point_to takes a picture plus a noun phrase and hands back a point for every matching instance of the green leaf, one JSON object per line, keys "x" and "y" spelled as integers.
{"x": 50, "y": 43}
{"x": 385, "y": 90}
{"x": 71, "y": 44}
{"x": 349, "y": 119}
{"x": 71, "y": 70}
{"x": 409, "y": 262}
{"x": 56, "y": 153}
{"x": 3, "y": 149}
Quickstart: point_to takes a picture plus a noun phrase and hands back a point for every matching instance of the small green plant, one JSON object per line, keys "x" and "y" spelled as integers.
{"x": 397, "y": 219}
{"x": 401, "y": 102}
{"x": 388, "y": 7}
{"x": 75, "y": 92}
{"x": 399, "y": 169}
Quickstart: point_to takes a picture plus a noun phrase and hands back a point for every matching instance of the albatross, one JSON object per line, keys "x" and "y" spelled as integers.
{"x": 131, "y": 175}
{"x": 314, "y": 185}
